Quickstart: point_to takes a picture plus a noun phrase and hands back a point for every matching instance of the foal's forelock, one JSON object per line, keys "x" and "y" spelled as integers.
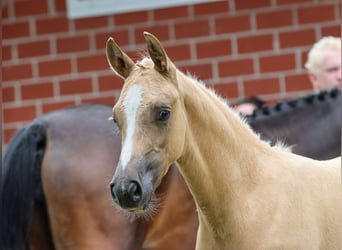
{"x": 145, "y": 63}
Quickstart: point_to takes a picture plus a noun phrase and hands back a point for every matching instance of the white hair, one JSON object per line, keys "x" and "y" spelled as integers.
{"x": 314, "y": 61}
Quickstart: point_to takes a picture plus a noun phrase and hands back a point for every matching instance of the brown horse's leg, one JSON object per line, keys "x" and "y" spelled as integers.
{"x": 175, "y": 226}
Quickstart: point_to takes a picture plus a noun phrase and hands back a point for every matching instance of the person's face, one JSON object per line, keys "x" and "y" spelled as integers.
{"x": 329, "y": 75}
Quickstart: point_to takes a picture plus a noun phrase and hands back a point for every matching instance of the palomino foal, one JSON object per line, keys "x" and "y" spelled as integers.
{"x": 248, "y": 194}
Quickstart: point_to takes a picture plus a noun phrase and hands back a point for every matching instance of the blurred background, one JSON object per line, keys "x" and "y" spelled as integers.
{"x": 53, "y": 52}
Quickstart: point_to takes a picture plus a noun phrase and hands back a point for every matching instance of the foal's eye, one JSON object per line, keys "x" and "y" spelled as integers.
{"x": 115, "y": 121}
{"x": 163, "y": 115}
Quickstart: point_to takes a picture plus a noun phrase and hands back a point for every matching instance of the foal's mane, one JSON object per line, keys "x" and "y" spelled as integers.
{"x": 146, "y": 62}
{"x": 290, "y": 105}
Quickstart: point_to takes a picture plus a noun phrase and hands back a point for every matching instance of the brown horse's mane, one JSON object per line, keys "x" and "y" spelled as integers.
{"x": 285, "y": 121}
{"x": 290, "y": 105}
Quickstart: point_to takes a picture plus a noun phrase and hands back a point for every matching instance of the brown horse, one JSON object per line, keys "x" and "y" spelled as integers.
{"x": 248, "y": 194}
{"x": 55, "y": 190}
{"x": 303, "y": 122}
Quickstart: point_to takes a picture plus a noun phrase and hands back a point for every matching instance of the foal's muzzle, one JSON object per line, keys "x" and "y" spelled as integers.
{"x": 132, "y": 187}
{"x": 127, "y": 194}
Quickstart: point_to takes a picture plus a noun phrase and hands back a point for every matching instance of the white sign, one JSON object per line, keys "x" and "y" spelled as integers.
{"x": 90, "y": 8}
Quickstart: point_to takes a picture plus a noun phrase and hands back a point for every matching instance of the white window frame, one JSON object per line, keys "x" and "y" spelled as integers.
{"x": 90, "y": 8}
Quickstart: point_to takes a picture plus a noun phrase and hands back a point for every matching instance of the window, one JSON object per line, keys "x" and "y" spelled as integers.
{"x": 89, "y": 8}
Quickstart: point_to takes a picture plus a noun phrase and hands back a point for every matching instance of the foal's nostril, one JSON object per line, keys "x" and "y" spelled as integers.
{"x": 112, "y": 191}
{"x": 135, "y": 191}
{"x": 127, "y": 194}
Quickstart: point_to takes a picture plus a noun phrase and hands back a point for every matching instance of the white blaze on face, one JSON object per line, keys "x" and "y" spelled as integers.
{"x": 131, "y": 104}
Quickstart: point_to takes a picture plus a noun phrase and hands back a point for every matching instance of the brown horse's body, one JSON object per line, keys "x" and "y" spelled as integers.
{"x": 72, "y": 205}
{"x": 79, "y": 210}
{"x": 248, "y": 194}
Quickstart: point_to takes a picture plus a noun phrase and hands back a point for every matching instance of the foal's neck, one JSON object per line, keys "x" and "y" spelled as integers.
{"x": 219, "y": 157}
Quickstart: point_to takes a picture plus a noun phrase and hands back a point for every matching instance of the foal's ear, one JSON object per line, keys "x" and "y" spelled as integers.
{"x": 157, "y": 53}
{"x": 118, "y": 60}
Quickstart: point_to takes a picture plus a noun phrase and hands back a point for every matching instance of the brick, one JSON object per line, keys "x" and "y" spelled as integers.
{"x": 6, "y": 51}
{"x": 211, "y": 8}
{"x": 284, "y": 2}
{"x": 8, "y": 94}
{"x": 72, "y": 44}
{"x": 54, "y": 67}
{"x": 251, "y": 4}
{"x": 15, "y": 30}
{"x": 92, "y": 63}
{"x": 273, "y": 19}
{"x": 8, "y": 134}
{"x": 16, "y": 72}
{"x": 4, "y": 11}
{"x": 48, "y": 107}
{"x": 19, "y": 114}
{"x": 120, "y": 37}
{"x": 103, "y": 100}
{"x": 52, "y": 25}
{"x": 60, "y": 6}
{"x": 257, "y": 87}
{"x": 298, "y": 82}
{"x": 37, "y": 91}
{"x": 236, "y": 67}
{"x": 297, "y": 38}
{"x": 333, "y": 30}
{"x": 277, "y": 63}
{"x": 75, "y": 86}
{"x": 200, "y": 71}
{"x": 192, "y": 29}
{"x": 255, "y": 43}
{"x": 135, "y": 55}
{"x": 315, "y": 14}
{"x": 232, "y": 24}
{"x": 91, "y": 23}
{"x": 34, "y": 49}
{"x": 178, "y": 52}
{"x": 25, "y": 8}
{"x": 170, "y": 13}
{"x": 110, "y": 82}
{"x": 131, "y": 18}
{"x": 227, "y": 90}
{"x": 161, "y": 30}
{"x": 213, "y": 48}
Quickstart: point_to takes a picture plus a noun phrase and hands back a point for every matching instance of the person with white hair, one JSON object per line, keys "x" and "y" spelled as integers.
{"x": 324, "y": 64}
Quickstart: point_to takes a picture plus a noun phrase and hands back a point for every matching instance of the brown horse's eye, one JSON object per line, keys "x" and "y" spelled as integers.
{"x": 164, "y": 115}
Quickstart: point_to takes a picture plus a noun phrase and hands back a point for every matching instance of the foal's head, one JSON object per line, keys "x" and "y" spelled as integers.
{"x": 150, "y": 117}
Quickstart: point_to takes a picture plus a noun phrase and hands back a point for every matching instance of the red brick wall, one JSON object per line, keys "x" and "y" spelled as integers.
{"x": 241, "y": 47}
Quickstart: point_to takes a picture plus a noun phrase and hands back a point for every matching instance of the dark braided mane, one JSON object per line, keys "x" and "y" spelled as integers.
{"x": 312, "y": 124}
{"x": 289, "y": 105}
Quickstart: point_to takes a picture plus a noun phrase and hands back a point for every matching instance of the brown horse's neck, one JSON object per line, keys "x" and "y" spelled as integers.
{"x": 219, "y": 157}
